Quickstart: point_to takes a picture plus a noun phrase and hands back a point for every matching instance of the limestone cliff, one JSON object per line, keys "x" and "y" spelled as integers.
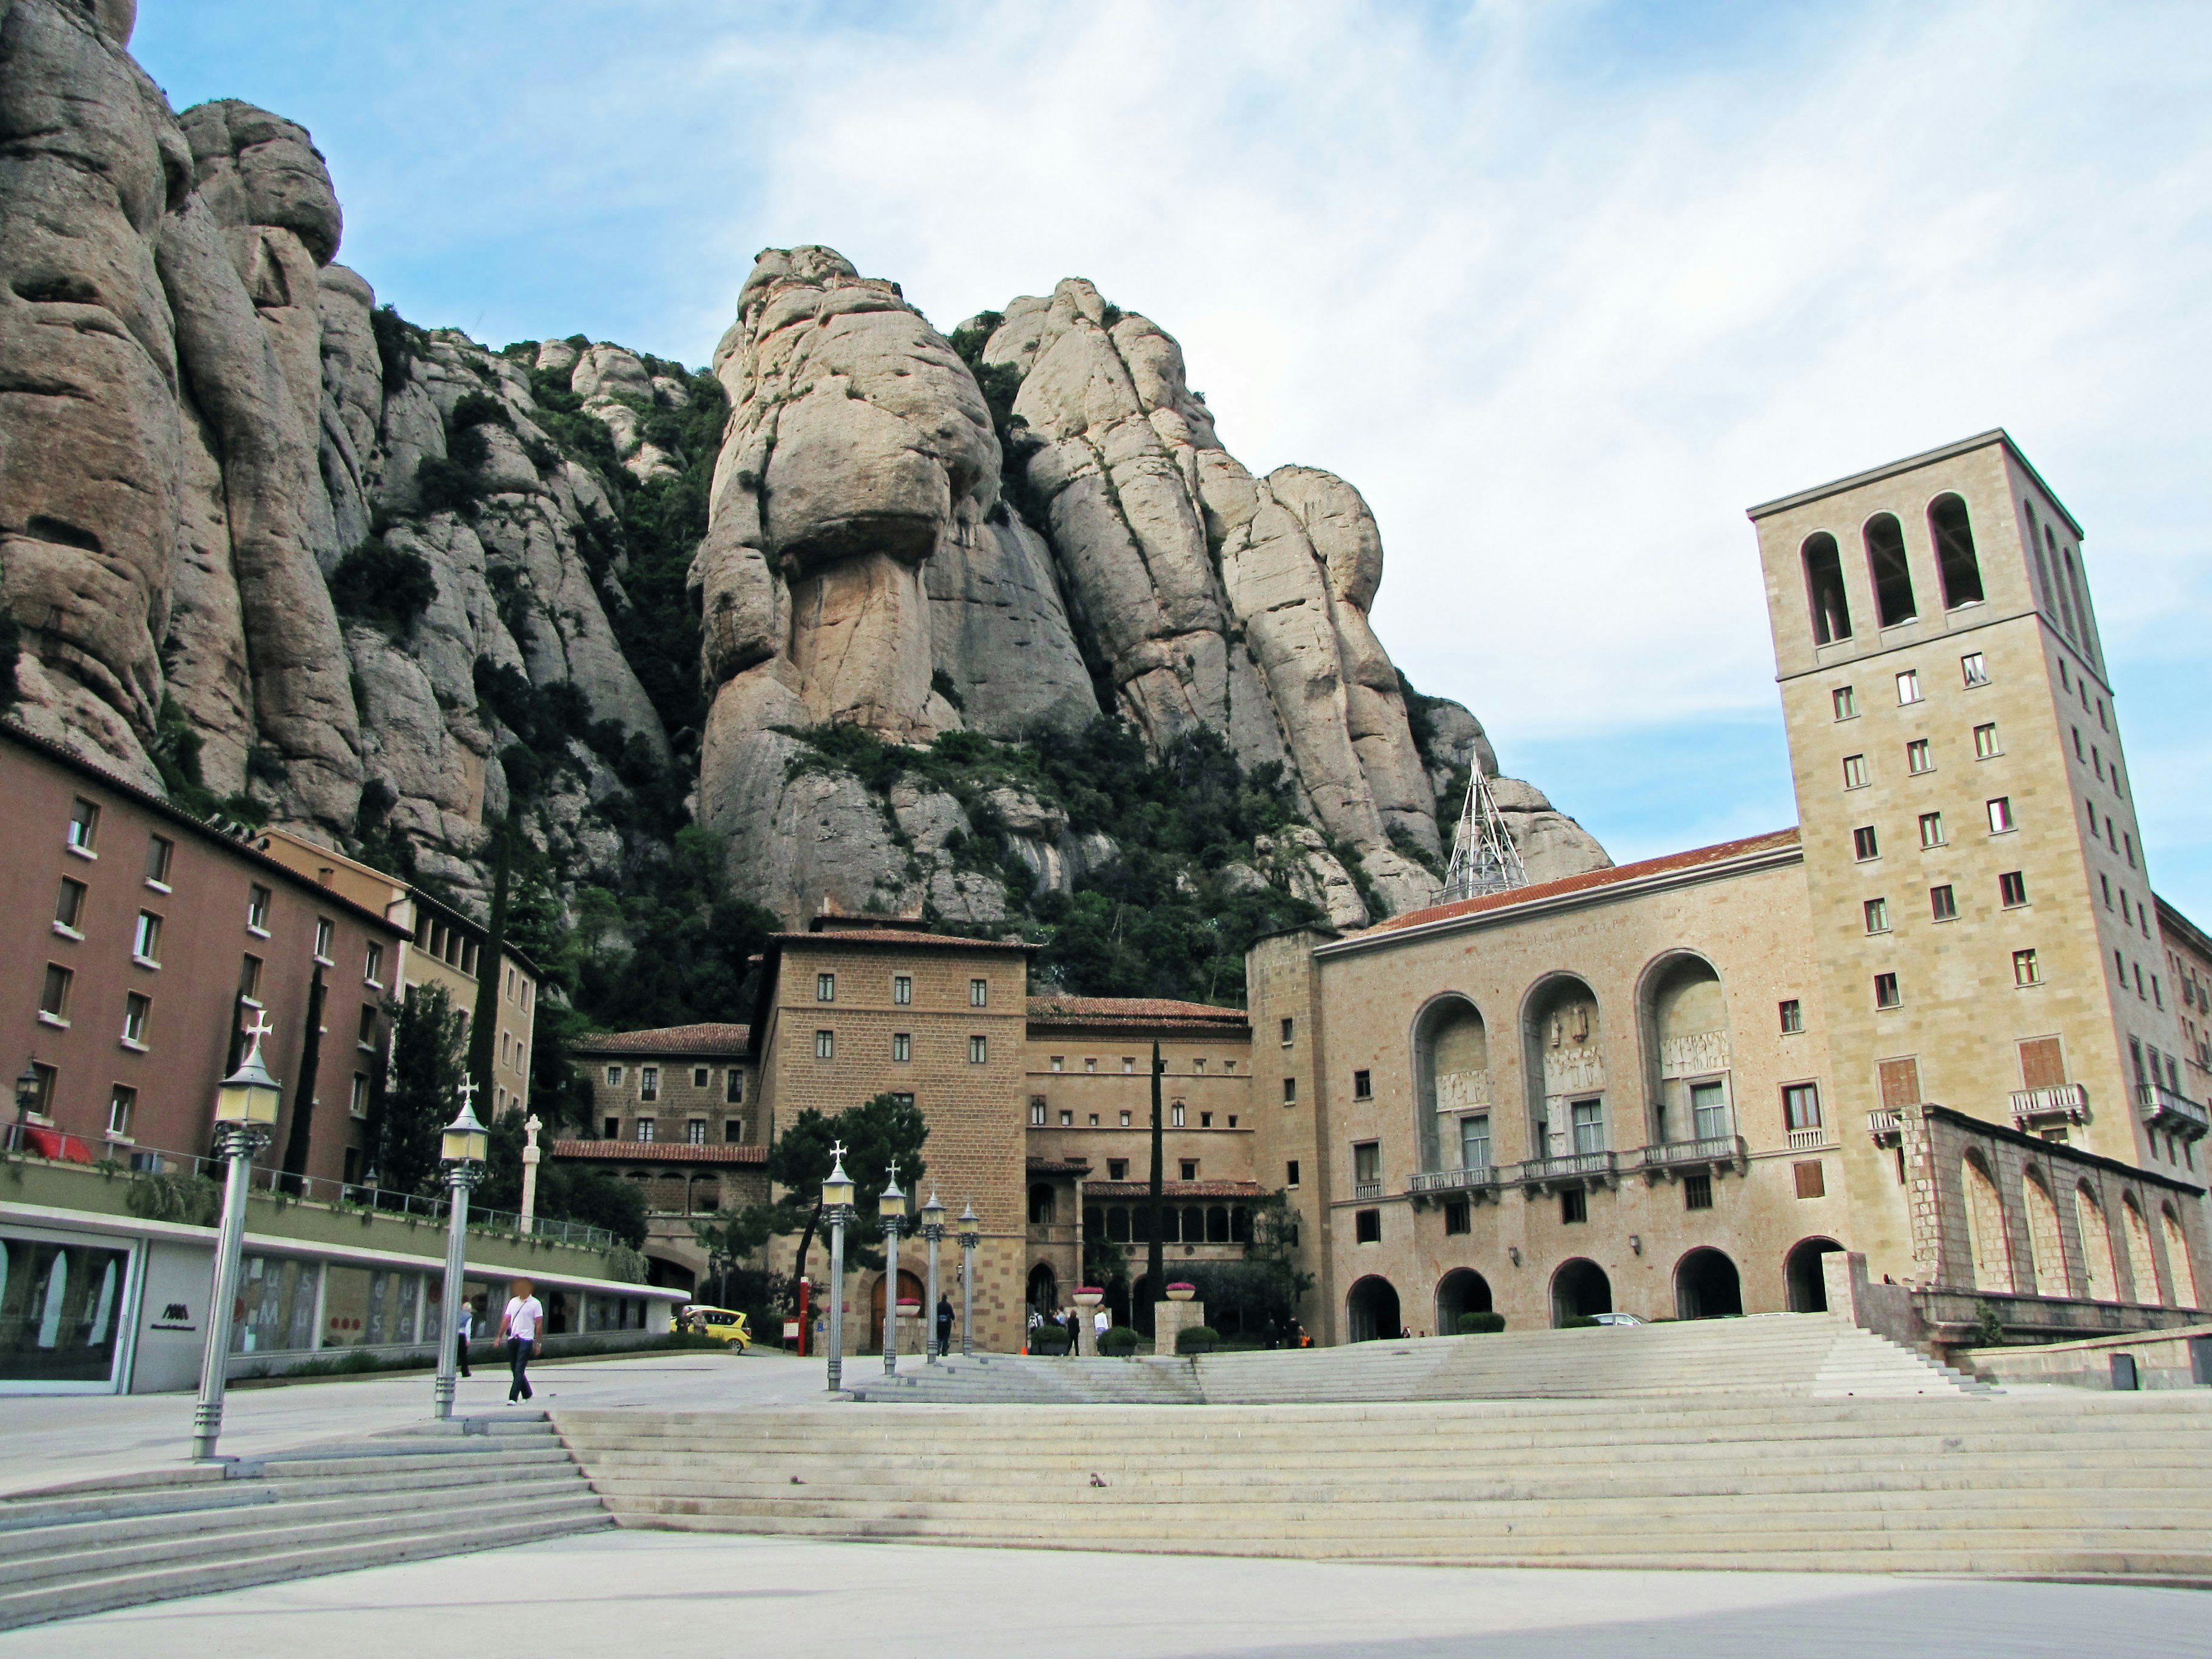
{"x": 275, "y": 549}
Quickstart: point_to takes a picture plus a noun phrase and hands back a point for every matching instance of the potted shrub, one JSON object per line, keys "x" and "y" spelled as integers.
{"x": 1049, "y": 1339}
{"x": 1119, "y": 1342}
{"x": 1181, "y": 1293}
{"x": 1479, "y": 1324}
{"x": 1197, "y": 1339}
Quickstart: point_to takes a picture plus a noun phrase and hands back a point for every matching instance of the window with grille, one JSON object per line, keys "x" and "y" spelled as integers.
{"x": 1697, "y": 1191}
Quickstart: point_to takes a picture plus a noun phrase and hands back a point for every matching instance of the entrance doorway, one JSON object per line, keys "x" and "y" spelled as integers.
{"x": 1800, "y": 1270}
{"x": 1461, "y": 1290}
{"x": 1579, "y": 1289}
{"x": 1044, "y": 1290}
{"x": 1707, "y": 1286}
{"x": 1371, "y": 1310}
{"x": 909, "y": 1289}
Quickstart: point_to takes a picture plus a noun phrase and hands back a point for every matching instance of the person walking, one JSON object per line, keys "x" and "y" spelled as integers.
{"x": 943, "y": 1324}
{"x": 464, "y": 1330}
{"x": 1101, "y": 1323}
{"x": 519, "y": 1329}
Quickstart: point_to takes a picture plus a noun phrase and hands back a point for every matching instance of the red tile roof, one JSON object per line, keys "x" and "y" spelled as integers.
{"x": 659, "y": 1151}
{"x": 703, "y": 1039}
{"x": 1177, "y": 1189}
{"x": 1059, "y": 1166}
{"x": 1773, "y": 841}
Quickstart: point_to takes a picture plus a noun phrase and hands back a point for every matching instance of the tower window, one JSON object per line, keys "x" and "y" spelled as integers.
{"x": 1698, "y": 1192}
{"x": 825, "y": 1045}
{"x": 1944, "y": 903}
{"x": 1288, "y": 1028}
{"x": 901, "y": 1045}
{"x": 1855, "y": 772}
{"x": 1793, "y": 1015}
{"x": 1885, "y": 994}
{"x": 1908, "y": 686}
{"x": 825, "y": 987}
{"x": 1363, "y": 1085}
{"x": 2024, "y": 969}
{"x": 979, "y": 992}
{"x": 1893, "y": 580}
{"x": 1974, "y": 669}
{"x": 1931, "y": 828}
{"x": 1955, "y": 563}
{"x": 1574, "y": 1205}
{"x": 2001, "y": 816}
{"x": 1824, "y": 590}
{"x": 1918, "y": 757}
{"x": 1865, "y": 844}
{"x": 1846, "y": 705}
{"x": 1985, "y": 742}
{"x": 902, "y": 989}
{"x": 979, "y": 1050}
{"x": 1877, "y": 915}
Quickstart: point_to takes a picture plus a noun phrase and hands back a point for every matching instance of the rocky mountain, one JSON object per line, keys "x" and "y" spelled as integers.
{"x": 273, "y": 548}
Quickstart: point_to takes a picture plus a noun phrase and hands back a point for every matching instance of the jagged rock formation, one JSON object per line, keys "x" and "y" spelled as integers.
{"x": 877, "y": 557}
{"x": 271, "y": 547}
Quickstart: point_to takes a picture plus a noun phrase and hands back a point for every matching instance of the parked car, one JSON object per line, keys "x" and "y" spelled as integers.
{"x": 724, "y": 1323}
{"x": 1615, "y": 1319}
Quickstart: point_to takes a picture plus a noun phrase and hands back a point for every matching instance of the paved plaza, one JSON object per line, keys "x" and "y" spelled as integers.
{"x": 672, "y": 1594}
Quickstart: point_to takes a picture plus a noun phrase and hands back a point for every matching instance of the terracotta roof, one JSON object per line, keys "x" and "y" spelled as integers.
{"x": 1060, "y": 1166}
{"x": 703, "y": 1039}
{"x": 659, "y": 1151}
{"x": 908, "y": 937}
{"x": 1773, "y": 841}
{"x": 1176, "y": 1189}
{"x": 1131, "y": 1011}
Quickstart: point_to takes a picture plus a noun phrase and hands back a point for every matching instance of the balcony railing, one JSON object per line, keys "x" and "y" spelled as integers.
{"x": 1672, "y": 1157}
{"x": 2172, "y": 1112}
{"x": 1453, "y": 1180}
{"x": 2042, "y": 1108}
{"x": 1367, "y": 1190}
{"x": 1808, "y": 1138}
{"x": 1575, "y": 1170}
{"x": 1884, "y": 1127}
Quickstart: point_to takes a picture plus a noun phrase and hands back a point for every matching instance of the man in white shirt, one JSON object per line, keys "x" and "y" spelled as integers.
{"x": 518, "y": 1328}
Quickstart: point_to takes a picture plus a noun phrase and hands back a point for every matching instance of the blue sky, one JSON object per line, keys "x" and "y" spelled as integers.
{"x": 1562, "y": 287}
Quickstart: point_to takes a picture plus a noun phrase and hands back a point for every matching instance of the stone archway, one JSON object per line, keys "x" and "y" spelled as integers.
{"x": 1372, "y": 1311}
{"x": 1580, "y": 1289}
{"x": 1461, "y": 1290}
{"x": 1804, "y": 1277}
{"x": 1707, "y": 1285}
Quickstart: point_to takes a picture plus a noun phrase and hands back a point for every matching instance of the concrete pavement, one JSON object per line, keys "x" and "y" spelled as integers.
{"x": 676, "y": 1596}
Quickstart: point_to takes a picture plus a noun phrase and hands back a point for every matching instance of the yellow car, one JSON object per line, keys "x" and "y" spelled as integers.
{"x": 725, "y": 1324}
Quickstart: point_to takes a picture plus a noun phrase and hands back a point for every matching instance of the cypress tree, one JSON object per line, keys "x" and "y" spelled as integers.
{"x": 1155, "y": 1256}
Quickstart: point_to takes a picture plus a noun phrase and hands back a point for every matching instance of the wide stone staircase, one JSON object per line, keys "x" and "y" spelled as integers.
{"x": 440, "y": 1489}
{"x": 2101, "y": 1484}
{"x": 1810, "y": 1355}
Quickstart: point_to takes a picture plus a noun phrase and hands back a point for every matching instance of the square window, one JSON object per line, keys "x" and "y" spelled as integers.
{"x": 1793, "y": 1015}
{"x": 1198, "y": 1064}
{"x": 2012, "y": 889}
{"x": 1125, "y": 1119}
{"x": 1931, "y": 830}
{"x": 1908, "y": 686}
{"x": 902, "y": 989}
{"x": 1812, "y": 1179}
{"x": 1288, "y": 1028}
{"x": 1942, "y": 904}
{"x": 1290, "y": 1091}
{"x": 733, "y": 1130}
{"x": 257, "y": 908}
{"x": 1362, "y": 1088}
{"x": 1090, "y": 1063}
{"x": 646, "y": 1127}
{"x": 146, "y": 942}
{"x": 1189, "y": 1167}
{"x": 901, "y": 1045}
{"x": 825, "y": 1045}
{"x": 1865, "y": 843}
{"x": 1877, "y": 915}
{"x": 1697, "y": 1191}
{"x": 365, "y": 1035}
{"x": 1290, "y": 1173}
{"x": 695, "y": 1132}
{"x": 1036, "y": 1111}
{"x": 1574, "y": 1207}
{"x": 979, "y": 993}
{"x": 1918, "y": 757}
{"x": 825, "y": 987}
{"x": 1129, "y": 1064}
{"x": 1885, "y": 994}
{"x": 1855, "y": 772}
{"x": 734, "y": 1087}
{"x": 614, "y": 1076}
{"x": 1800, "y": 1106}
{"x": 53, "y": 997}
{"x": 122, "y": 1102}
{"x": 160, "y": 849}
{"x": 613, "y": 1129}
{"x": 1226, "y": 1065}
{"x": 68, "y": 905}
{"x": 1060, "y": 1062}
{"x": 358, "y": 1103}
{"x": 1985, "y": 741}
{"x": 1846, "y": 705}
{"x": 1455, "y": 1215}
{"x": 2001, "y": 815}
{"x": 979, "y": 1050}
{"x": 699, "y": 1076}
{"x": 136, "y": 1009}
{"x": 1175, "y": 1116}
{"x": 83, "y": 825}
{"x": 1067, "y": 1118}
{"x": 249, "y": 980}
{"x": 2024, "y": 969}
{"x": 648, "y": 1083}
{"x": 1094, "y": 1120}
{"x": 325, "y": 930}
{"x": 1205, "y": 1119}
{"x": 1117, "y": 1168}
{"x": 1367, "y": 1226}
{"x": 1974, "y": 669}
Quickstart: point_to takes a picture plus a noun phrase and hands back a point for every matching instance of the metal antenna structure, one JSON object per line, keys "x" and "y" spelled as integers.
{"x": 1484, "y": 859}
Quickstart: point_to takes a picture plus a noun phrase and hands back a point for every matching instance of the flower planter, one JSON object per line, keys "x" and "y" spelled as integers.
{"x": 1181, "y": 1293}
{"x": 1089, "y": 1297}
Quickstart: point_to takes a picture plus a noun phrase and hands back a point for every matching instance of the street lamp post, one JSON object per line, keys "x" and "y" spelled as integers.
{"x": 971, "y": 1227}
{"x": 461, "y": 1150}
{"x": 890, "y": 1208}
{"x": 27, "y": 1096}
{"x": 245, "y": 1119}
{"x": 837, "y": 1211}
{"x": 932, "y": 1229}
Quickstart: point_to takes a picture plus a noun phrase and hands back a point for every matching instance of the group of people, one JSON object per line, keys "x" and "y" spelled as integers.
{"x": 521, "y": 1334}
{"x": 1070, "y": 1320}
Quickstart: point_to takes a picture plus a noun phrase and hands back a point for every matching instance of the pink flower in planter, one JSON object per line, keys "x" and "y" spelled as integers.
{"x": 1090, "y": 1289}
{"x": 1181, "y": 1286}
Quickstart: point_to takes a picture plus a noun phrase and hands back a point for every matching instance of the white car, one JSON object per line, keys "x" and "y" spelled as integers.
{"x": 1616, "y": 1319}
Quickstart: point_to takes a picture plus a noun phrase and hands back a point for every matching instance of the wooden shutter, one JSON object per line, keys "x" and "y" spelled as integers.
{"x": 1900, "y": 1083}
{"x": 1812, "y": 1182}
{"x": 2042, "y": 1063}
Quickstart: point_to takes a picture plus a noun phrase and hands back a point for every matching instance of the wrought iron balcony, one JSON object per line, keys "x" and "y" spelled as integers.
{"x": 2045, "y": 1108}
{"x": 1673, "y": 1158}
{"x": 2172, "y": 1112}
{"x": 1541, "y": 1175}
{"x": 1884, "y": 1127}
{"x": 1484, "y": 1178}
